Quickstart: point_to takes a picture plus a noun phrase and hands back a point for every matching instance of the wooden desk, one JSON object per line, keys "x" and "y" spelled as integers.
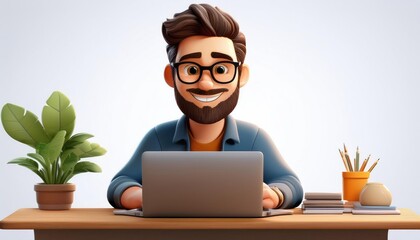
{"x": 83, "y": 224}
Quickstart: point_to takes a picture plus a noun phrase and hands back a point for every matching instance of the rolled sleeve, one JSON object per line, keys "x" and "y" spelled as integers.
{"x": 117, "y": 188}
{"x": 277, "y": 172}
{"x": 131, "y": 174}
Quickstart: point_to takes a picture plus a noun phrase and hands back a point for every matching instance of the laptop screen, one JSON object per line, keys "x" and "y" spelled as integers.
{"x": 202, "y": 184}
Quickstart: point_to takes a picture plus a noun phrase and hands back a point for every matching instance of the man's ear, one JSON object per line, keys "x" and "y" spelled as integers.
{"x": 169, "y": 78}
{"x": 244, "y": 75}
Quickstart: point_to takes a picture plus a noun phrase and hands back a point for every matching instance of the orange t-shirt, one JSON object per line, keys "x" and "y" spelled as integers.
{"x": 215, "y": 145}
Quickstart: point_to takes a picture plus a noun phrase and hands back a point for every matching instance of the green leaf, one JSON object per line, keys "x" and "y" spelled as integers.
{"x": 23, "y": 125}
{"x": 31, "y": 165}
{"x": 69, "y": 162}
{"x": 58, "y": 115}
{"x": 82, "y": 167}
{"x": 86, "y": 149}
{"x": 95, "y": 150}
{"x": 76, "y": 140}
{"x": 38, "y": 158}
{"x": 26, "y": 162}
{"x": 51, "y": 151}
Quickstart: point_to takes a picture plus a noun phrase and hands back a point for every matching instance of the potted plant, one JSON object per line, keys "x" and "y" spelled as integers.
{"x": 58, "y": 154}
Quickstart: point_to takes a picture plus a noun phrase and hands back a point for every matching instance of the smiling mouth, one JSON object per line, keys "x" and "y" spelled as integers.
{"x": 206, "y": 98}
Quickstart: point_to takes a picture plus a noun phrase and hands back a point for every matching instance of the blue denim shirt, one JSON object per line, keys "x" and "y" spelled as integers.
{"x": 239, "y": 136}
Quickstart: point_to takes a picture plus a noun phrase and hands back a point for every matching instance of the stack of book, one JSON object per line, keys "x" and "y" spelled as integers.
{"x": 374, "y": 210}
{"x": 323, "y": 203}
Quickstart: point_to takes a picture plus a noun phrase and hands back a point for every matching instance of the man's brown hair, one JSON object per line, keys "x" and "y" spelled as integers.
{"x": 205, "y": 20}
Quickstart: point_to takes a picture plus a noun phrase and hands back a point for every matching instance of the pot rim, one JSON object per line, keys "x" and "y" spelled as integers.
{"x": 67, "y": 187}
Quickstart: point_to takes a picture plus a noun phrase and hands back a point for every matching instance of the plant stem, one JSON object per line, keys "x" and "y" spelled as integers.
{"x": 55, "y": 172}
{"x": 69, "y": 176}
{"x": 45, "y": 173}
{"x": 40, "y": 175}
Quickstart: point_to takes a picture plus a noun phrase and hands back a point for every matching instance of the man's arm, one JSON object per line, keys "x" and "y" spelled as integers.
{"x": 131, "y": 174}
{"x": 277, "y": 173}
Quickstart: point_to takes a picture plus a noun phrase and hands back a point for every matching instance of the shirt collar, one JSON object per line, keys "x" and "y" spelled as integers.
{"x": 231, "y": 131}
{"x": 181, "y": 131}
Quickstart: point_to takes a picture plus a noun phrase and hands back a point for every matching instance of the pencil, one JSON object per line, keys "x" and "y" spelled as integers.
{"x": 346, "y": 155}
{"x": 344, "y": 160}
{"x": 348, "y": 162}
{"x": 373, "y": 165}
{"x": 362, "y": 168}
{"x": 356, "y": 160}
{"x": 345, "y": 149}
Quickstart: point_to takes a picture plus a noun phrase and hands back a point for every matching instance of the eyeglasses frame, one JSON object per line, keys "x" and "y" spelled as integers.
{"x": 202, "y": 68}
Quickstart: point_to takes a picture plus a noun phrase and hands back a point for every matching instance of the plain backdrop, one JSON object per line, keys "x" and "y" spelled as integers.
{"x": 323, "y": 73}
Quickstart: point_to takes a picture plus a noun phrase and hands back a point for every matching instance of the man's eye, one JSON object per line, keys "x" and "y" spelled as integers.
{"x": 191, "y": 70}
{"x": 221, "y": 69}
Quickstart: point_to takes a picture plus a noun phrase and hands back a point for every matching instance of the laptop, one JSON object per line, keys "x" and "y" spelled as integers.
{"x": 202, "y": 184}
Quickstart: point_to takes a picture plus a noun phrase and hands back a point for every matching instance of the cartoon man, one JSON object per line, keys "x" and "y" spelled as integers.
{"x": 206, "y": 68}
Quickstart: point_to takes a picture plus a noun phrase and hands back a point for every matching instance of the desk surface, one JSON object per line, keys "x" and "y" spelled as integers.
{"x": 103, "y": 218}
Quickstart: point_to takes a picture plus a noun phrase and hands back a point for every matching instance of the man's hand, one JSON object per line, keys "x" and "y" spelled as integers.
{"x": 270, "y": 198}
{"x": 132, "y": 197}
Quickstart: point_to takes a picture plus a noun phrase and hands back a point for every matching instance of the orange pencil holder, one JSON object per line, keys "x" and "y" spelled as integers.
{"x": 353, "y": 183}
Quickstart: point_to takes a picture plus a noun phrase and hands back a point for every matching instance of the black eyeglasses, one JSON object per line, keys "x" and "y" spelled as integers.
{"x": 190, "y": 72}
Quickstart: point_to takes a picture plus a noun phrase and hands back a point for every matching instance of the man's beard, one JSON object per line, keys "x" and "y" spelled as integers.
{"x": 207, "y": 115}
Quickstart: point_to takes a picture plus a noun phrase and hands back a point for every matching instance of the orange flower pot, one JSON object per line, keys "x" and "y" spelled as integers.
{"x": 54, "y": 196}
{"x": 353, "y": 183}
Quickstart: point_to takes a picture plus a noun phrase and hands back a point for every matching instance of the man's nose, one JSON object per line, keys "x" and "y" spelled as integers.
{"x": 206, "y": 81}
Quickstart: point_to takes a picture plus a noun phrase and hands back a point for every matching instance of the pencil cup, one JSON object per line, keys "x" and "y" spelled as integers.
{"x": 353, "y": 183}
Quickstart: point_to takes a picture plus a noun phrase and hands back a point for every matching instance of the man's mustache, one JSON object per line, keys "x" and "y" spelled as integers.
{"x": 209, "y": 92}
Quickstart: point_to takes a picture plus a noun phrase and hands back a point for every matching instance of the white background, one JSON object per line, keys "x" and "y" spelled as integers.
{"x": 323, "y": 73}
